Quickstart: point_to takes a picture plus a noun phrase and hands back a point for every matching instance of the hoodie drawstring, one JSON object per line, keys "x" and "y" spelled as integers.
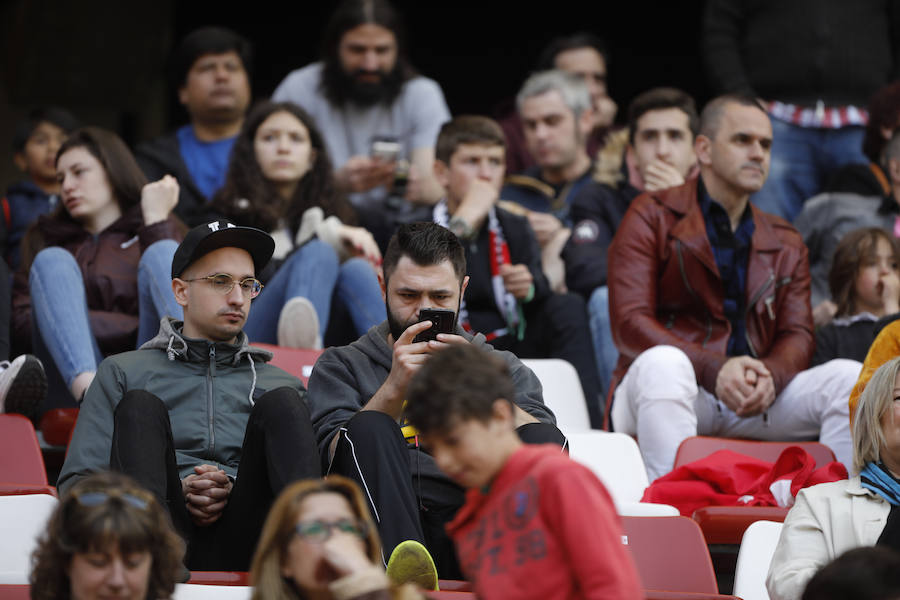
{"x": 253, "y": 385}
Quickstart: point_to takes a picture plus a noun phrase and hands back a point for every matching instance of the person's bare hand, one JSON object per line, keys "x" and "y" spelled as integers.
{"x": 517, "y": 280}
{"x": 407, "y": 358}
{"x": 158, "y": 198}
{"x": 660, "y": 175}
{"x": 824, "y": 312}
{"x": 360, "y": 243}
{"x": 344, "y": 555}
{"x": 545, "y": 226}
{"x": 733, "y": 383}
{"x": 760, "y": 399}
{"x": 363, "y": 173}
{"x": 206, "y": 493}
{"x": 890, "y": 292}
{"x": 605, "y": 112}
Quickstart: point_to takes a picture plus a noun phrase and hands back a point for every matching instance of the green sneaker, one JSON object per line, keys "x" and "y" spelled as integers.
{"x": 410, "y": 562}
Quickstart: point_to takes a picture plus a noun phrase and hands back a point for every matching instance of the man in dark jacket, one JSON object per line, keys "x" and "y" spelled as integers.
{"x": 709, "y": 301}
{"x": 210, "y": 69}
{"x": 196, "y": 415}
{"x": 357, "y": 394}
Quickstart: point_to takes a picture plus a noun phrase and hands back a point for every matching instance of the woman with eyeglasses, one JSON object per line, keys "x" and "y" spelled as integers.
{"x": 320, "y": 543}
{"x": 280, "y": 180}
{"x": 108, "y": 538}
{"x": 94, "y": 278}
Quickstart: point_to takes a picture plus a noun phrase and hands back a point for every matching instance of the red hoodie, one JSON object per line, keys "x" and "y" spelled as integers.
{"x": 546, "y": 529}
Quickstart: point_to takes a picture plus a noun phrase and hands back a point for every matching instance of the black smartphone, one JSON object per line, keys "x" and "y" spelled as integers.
{"x": 442, "y": 320}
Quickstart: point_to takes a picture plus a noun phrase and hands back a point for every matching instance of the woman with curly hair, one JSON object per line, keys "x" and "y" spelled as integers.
{"x": 320, "y": 542}
{"x": 280, "y": 180}
{"x": 107, "y": 538}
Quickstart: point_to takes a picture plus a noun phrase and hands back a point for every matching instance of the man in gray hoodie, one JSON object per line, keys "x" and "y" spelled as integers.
{"x": 357, "y": 394}
{"x": 196, "y": 415}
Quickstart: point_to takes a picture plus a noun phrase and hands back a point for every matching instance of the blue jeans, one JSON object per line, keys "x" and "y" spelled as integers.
{"x": 313, "y": 272}
{"x": 60, "y": 310}
{"x": 601, "y": 333}
{"x": 155, "y": 297}
{"x": 803, "y": 158}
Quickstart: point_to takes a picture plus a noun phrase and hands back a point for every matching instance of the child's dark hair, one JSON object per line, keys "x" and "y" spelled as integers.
{"x": 458, "y": 383}
{"x": 46, "y": 114}
{"x": 854, "y": 249}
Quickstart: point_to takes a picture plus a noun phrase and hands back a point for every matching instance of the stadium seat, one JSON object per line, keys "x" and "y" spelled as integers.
{"x": 725, "y": 525}
{"x": 296, "y": 361}
{"x": 21, "y": 464}
{"x": 670, "y": 554}
{"x": 754, "y": 557}
{"x": 57, "y": 425}
{"x": 15, "y": 591}
{"x": 192, "y": 591}
{"x": 616, "y": 460}
{"x": 220, "y": 577}
{"x": 562, "y": 392}
{"x": 22, "y": 520}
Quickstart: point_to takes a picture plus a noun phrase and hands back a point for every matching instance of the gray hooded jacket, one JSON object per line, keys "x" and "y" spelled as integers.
{"x": 209, "y": 389}
{"x": 346, "y": 377}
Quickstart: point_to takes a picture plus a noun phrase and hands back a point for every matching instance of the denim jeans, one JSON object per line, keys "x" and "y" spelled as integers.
{"x": 313, "y": 272}
{"x": 803, "y": 158}
{"x": 60, "y": 311}
{"x": 155, "y": 297}
{"x": 601, "y": 334}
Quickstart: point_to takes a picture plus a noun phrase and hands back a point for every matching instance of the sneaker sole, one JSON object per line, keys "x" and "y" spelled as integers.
{"x": 28, "y": 389}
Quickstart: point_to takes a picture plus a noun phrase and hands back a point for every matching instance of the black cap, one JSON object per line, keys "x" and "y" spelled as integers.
{"x": 203, "y": 239}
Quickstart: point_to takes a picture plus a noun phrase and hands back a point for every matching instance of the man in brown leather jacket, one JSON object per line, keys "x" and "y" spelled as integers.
{"x": 709, "y": 301}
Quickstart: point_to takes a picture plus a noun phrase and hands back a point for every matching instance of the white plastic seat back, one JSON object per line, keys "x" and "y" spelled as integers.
{"x": 193, "y": 591}
{"x": 22, "y": 520}
{"x": 616, "y": 460}
{"x": 562, "y": 392}
{"x": 757, "y": 548}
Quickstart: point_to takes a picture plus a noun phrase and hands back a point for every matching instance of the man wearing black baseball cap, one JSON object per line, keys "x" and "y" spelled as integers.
{"x": 196, "y": 415}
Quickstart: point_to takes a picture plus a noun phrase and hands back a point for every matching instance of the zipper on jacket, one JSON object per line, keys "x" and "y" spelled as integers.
{"x": 693, "y": 294}
{"x": 756, "y": 296}
{"x": 210, "y": 404}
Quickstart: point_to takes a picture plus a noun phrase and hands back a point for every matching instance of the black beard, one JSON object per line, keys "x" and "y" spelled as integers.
{"x": 341, "y": 87}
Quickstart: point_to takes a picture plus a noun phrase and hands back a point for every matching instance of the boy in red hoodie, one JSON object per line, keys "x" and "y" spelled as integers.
{"x": 535, "y": 523}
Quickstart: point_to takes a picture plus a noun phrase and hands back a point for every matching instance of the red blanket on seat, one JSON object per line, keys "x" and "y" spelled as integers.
{"x": 726, "y": 478}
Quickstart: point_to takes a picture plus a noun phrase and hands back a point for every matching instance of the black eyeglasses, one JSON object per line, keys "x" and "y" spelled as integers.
{"x": 318, "y": 532}
{"x": 92, "y": 499}
{"x": 224, "y": 283}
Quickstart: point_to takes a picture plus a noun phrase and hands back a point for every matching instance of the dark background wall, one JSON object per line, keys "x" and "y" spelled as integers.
{"x": 105, "y": 59}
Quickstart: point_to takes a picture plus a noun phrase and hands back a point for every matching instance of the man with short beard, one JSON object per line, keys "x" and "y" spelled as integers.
{"x": 365, "y": 89}
{"x": 357, "y": 394}
{"x": 210, "y": 69}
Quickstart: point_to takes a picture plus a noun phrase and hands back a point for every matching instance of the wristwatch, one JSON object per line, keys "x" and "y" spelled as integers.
{"x": 461, "y": 228}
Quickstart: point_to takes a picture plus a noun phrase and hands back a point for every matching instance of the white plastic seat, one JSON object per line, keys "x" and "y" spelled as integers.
{"x": 616, "y": 460}
{"x": 193, "y": 591}
{"x": 22, "y": 520}
{"x": 757, "y": 548}
{"x": 562, "y": 392}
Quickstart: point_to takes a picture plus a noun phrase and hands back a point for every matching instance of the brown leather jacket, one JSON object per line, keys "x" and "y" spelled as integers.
{"x": 664, "y": 288}
{"x": 108, "y": 262}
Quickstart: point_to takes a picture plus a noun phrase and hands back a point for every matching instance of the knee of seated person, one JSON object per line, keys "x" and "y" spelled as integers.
{"x": 279, "y": 401}
{"x": 357, "y": 265}
{"x": 370, "y": 425}
{"x": 599, "y": 300}
{"x": 162, "y": 250}
{"x": 53, "y": 256}
{"x": 663, "y": 361}
{"x": 315, "y": 250}
{"x": 841, "y": 370}
{"x": 139, "y": 404}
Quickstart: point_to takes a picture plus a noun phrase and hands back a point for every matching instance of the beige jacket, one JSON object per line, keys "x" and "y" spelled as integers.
{"x": 826, "y": 521}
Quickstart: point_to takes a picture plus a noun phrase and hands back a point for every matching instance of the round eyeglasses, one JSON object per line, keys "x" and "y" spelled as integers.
{"x": 224, "y": 283}
{"x": 318, "y": 532}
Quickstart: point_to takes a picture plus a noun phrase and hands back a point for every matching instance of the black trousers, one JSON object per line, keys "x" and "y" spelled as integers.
{"x": 279, "y": 447}
{"x": 409, "y": 496}
{"x": 557, "y": 327}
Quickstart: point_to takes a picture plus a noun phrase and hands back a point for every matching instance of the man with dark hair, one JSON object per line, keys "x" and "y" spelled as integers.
{"x": 196, "y": 415}
{"x": 357, "y": 394}
{"x": 364, "y": 91}
{"x": 210, "y": 69}
{"x": 508, "y": 297}
{"x": 583, "y": 55}
{"x": 656, "y": 152}
{"x": 709, "y": 305}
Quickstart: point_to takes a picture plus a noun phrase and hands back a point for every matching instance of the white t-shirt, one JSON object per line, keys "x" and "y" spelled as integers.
{"x": 414, "y": 118}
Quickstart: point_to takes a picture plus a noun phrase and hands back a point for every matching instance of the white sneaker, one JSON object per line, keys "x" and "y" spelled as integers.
{"x": 23, "y": 385}
{"x": 298, "y": 325}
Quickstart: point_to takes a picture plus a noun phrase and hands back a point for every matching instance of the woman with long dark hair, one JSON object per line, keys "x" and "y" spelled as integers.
{"x": 94, "y": 278}
{"x": 280, "y": 180}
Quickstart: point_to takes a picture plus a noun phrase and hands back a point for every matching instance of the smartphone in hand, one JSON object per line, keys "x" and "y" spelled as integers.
{"x": 442, "y": 320}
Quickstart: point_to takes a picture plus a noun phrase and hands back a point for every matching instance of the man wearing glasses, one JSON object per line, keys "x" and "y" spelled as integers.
{"x": 197, "y": 415}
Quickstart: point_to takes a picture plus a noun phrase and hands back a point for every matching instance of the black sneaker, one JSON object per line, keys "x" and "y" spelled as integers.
{"x": 23, "y": 385}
